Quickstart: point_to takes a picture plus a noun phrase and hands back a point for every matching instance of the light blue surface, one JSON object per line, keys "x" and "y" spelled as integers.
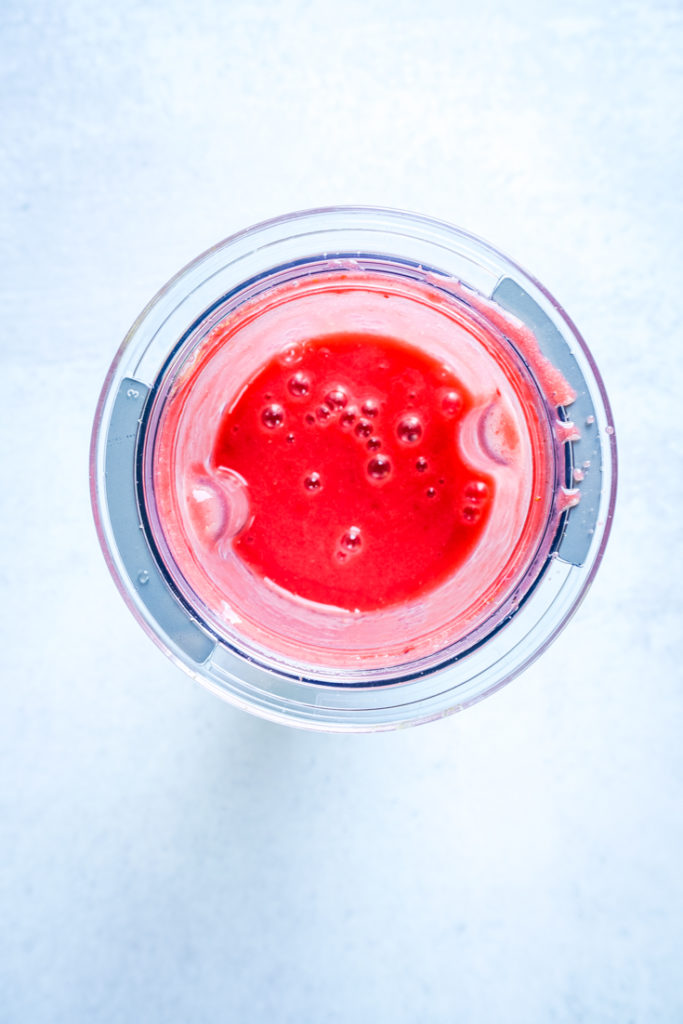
{"x": 166, "y": 858}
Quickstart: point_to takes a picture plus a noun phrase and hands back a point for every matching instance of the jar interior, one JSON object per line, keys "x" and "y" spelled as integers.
{"x": 197, "y": 507}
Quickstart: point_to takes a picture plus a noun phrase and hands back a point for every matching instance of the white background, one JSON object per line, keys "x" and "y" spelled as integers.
{"x": 165, "y": 858}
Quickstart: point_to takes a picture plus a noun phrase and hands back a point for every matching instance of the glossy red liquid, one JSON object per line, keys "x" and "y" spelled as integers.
{"x": 359, "y": 492}
{"x": 356, "y": 467}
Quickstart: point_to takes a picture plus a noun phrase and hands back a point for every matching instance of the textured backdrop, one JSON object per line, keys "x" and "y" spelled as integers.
{"x": 165, "y": 858}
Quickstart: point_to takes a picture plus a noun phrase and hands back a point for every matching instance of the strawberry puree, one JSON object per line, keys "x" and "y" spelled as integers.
{"x": 360, "y": 495}
{"x": 356, "y": 462}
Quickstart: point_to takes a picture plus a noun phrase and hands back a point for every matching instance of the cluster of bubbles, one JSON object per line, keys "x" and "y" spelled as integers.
{"x": 475, "y": 496}
{"x": 360, "y": 419}
{"x": 335, "y": 407}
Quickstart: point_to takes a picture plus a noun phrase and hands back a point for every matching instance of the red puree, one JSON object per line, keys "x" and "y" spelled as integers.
{"x": 362, "y": 445}
{"x": 360, "y": 493}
